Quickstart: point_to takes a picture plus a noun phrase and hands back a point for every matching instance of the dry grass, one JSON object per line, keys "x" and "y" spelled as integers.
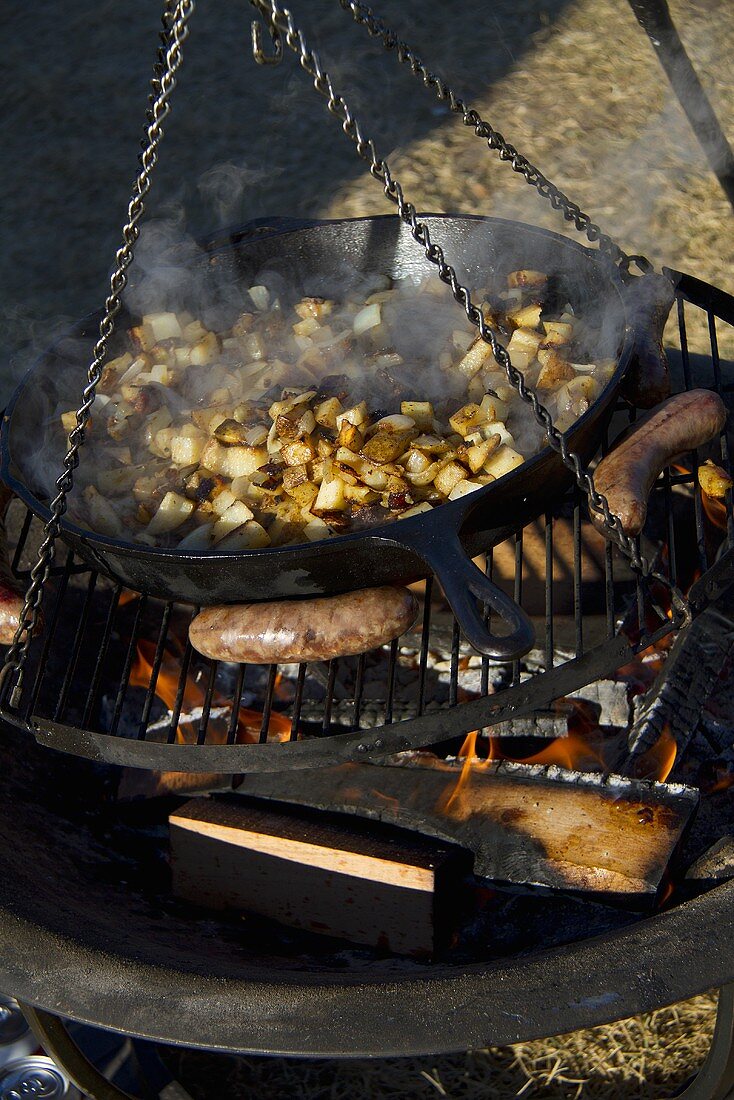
{"x": 588, "y": 103}
{"x": 646, "y": 1057}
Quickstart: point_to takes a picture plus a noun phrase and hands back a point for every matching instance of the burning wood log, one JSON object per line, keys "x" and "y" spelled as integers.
{"x": 540, "y": 825}
{"x": 339, "y": 877}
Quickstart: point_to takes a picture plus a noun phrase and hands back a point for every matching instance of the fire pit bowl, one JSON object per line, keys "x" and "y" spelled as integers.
{"x": 78, "y": 937}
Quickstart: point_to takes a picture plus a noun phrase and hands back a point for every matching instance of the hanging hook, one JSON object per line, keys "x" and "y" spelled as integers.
{"x": 258, "y": 52}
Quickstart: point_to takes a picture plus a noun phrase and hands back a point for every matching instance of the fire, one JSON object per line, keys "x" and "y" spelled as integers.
{"x": 657, "y": 763}
{"x": 166, "y": 688}
{"x": 715, "y": 511}
{"x": 584, "y": 748}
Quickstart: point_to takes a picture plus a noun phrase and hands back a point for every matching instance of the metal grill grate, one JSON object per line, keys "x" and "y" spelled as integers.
{"x": 79, "y": 696}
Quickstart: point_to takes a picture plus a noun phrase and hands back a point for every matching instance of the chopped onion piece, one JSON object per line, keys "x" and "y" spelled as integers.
{"x": 367, "y": 318}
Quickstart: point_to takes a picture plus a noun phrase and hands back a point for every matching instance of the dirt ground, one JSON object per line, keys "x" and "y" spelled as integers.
{"x": 574, "y": 85}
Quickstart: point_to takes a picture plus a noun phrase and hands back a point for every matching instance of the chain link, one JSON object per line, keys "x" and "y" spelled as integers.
{"x": 175, "y": 30}
{"x": 280, "y": 22}
{"x": 571, "y": 211}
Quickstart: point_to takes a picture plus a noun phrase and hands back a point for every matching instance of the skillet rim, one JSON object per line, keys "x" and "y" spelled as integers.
{"x": 413, "y": 530}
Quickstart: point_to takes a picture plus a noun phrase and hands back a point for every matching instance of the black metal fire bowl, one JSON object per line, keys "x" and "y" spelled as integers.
{"x": 77, "y": 938}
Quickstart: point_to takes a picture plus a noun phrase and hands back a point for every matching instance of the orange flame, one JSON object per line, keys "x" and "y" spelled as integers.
{"x": 582, "y": 749}
{"x": 715, "y": 511}
{"x": 166, "y": 688}
{"x": 657, "y": 763}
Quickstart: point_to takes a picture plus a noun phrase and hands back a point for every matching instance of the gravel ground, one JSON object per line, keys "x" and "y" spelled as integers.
{"x": 576, "y": 86}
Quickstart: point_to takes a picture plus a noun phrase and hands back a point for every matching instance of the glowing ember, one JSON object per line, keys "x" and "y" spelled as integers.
{"x": 249, "y": 721}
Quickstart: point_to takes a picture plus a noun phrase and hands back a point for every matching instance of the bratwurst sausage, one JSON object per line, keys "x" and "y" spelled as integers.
{"x": 647, "y": 381}
{"x": 628, "y": 473}
{"x": 303, "y": 630}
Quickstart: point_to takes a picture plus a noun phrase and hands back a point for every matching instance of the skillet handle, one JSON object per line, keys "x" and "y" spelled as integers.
{"x": 463, "y": 585}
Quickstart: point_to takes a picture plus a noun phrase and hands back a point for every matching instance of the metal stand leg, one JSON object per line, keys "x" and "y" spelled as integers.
{"x": 53, "y": 1036}
{"x": 715, "y": 1079}
{"x": 654, "y": 17}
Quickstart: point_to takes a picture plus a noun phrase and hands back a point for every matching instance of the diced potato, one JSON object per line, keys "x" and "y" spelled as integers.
{"x": 316, "y": 530}
{"x": 557, "y": 332}
{"x": 162, "y": 442}
{"x": 164, "y": 326}
{"x": 250, "y": 536}
{"x": 298, "y": 453}
{"x": 465, "y": 419}
{"x": 523, "y": 347}
{"x": 477, "y": 455}
{"x": 462, "y": 488}
{"x": 504, "y": 459}
{"x": 356, "y": 415}
{"x": 205, "y": 351}
{"x": 420, "y": 412}
{"x": 233, "y": 461}
{"x": 448, "y": 477}
{"x": 416, "y": 461}
{"x": 327, "y": 412}
{"x": 714, "y": 481}
{"x": 362, "y": 494}
{"x": 304, "y": 493}
{"x": 386, "y": 446}
{"x": 350, "y": 436}
{"x": 223, "y": 501}
{"x": 237, "y": 514}
{"x": 194, "y": 332}
{"x": 526, "y": 277}
{"x": 173, "y": 510}
{"x": 68, "y": 421}
{"x": 204, "y": 484}
{"x": 330, "y": 497}
{"x": 307, "y": 327}
{"x": 143, "y": 336}
{"x": 494, "y": 408}
{"x": 113, "y": 372}
{"x": 187, "y": 445}
{"x": 314, "y": 307}
{"x": 554, "y": 372}
{"x": 475, "y": 358}
{"x": 290, "y": 402}
{"x": 526, "y": 318}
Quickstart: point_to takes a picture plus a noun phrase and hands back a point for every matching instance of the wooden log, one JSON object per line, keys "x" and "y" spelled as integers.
{"x": 530, "y": 824}
{"x": 329, "y": 874}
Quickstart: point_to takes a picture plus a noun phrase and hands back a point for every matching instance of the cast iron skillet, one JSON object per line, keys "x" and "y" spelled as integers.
{"x": 441, "y": 541}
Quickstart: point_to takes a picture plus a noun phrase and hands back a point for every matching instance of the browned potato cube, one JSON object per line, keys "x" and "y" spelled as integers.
{"x": 449, "y": 476}
{"x": 554, "y": 371}
{"x": 386, "y": 446}
{"x": 350, "y": 436}
{"x": 298, "y": 453}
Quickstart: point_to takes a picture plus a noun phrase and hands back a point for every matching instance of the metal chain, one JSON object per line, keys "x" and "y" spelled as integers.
{"x": 280, "y": 22}
{"x": 571, "y": 211}
{"x": 175, "y": 22}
